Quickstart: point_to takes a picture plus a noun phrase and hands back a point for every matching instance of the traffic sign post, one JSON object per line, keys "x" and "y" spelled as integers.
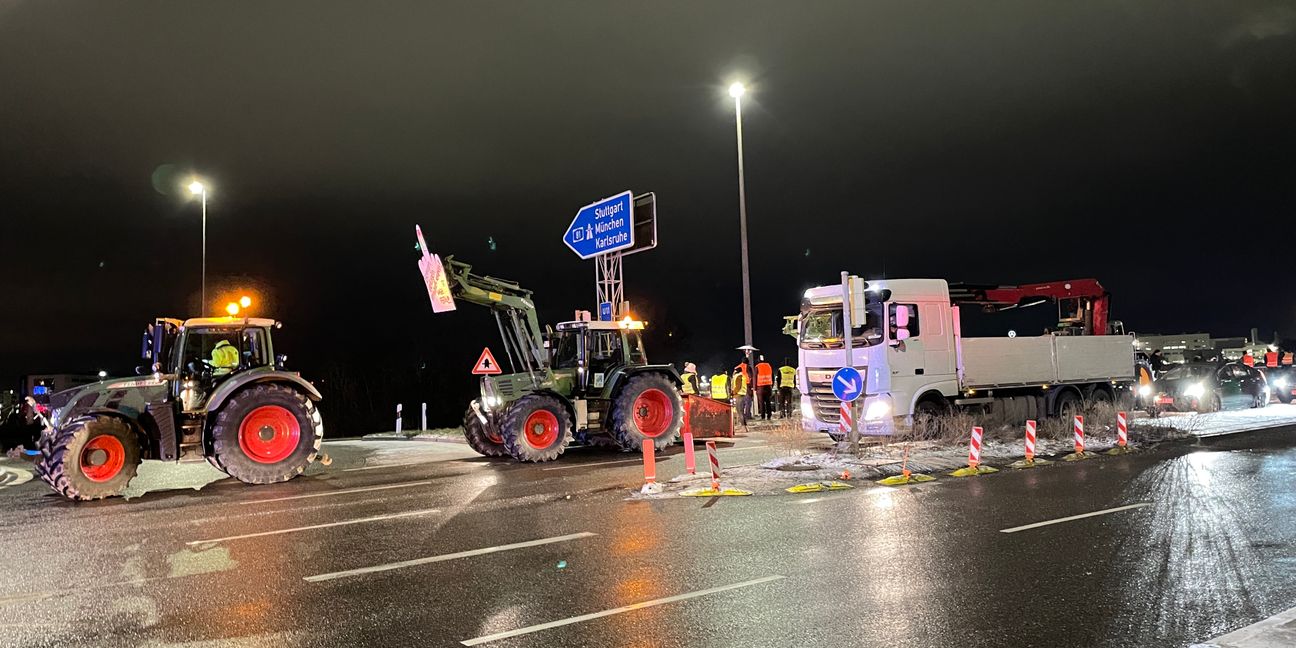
{"x": 848, "y": 367}
{"x": 602, "y": 227}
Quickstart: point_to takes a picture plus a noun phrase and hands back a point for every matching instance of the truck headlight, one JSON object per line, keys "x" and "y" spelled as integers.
{"x": 876, "y": 410}
{"x": 1145, "y": 390}
{"x": 1195, "y": 391}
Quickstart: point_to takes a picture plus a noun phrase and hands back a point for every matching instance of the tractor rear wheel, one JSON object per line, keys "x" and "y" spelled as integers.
{"x": 90, "y": 458}
{"x": 536, "y": 428}
{"x": 481, "y": 438}
{"x": 647, "y": 409}
{"x": 265, "y": 434}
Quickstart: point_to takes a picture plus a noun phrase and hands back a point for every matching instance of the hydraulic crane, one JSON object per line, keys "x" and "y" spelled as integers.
{"x": 1084, "y": 306}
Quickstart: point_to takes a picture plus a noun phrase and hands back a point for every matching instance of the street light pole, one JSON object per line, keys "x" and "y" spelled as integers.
{"x": 200, "y": 189}
{"x": 736, "y": 91}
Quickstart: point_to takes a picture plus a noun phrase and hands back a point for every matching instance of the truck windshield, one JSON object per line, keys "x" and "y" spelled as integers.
{"x": 821, "y": 327}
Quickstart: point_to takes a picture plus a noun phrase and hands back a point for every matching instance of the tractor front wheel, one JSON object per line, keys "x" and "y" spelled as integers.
{"x": 536, "y": 428}
{"x": 266, "y": 434}
{"x": 481, "y": 437}
{"x": 648, "y": 409}
{"x": 90, "y": 458}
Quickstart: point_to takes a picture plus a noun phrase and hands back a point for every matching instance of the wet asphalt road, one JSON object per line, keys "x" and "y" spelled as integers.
{"x": 920, "y": 566}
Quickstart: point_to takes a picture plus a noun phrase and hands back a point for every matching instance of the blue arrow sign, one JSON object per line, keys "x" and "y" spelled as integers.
{"x": 847, "y": 384}
{"x": 602, "y": 227}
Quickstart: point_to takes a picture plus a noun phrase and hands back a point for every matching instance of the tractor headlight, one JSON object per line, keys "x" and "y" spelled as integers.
{"x": 1145, "y": 390}
{"x": 490, "y": 402}
{"x": 876, "y": 410}
{"x": 1195, "y": 390}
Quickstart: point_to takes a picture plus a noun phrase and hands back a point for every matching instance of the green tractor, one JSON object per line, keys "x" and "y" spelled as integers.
{"x": 587, "y": 382}
{"x": 212, "y": 389}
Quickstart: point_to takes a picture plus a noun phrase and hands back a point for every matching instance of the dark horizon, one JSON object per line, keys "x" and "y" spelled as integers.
{"x": 1149, "y": 147}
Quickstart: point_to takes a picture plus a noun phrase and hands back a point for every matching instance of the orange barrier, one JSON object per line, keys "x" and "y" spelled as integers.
{"x": 705, "y": 417}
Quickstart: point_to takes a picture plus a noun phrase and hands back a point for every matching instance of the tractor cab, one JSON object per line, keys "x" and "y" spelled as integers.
{"x": 589, "y": 353}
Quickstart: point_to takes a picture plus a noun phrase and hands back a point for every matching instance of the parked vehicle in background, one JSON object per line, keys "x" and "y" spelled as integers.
{"x": 916, "y": 362}
{"x": 1205, "y": 387}
{"x": 1281, "y": 381}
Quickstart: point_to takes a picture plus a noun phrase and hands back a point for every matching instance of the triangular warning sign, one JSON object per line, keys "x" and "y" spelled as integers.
{"x": 486, "y": 365}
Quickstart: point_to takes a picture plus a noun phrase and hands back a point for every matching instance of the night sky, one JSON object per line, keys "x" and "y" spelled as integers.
{"x": 1151, "y": 145}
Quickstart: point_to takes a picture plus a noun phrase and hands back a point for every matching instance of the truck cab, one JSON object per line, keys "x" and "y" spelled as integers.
{"x": 904, "y": 348}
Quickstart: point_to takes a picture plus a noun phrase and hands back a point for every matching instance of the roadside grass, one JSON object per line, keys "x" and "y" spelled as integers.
{"x": 955, "y": 428}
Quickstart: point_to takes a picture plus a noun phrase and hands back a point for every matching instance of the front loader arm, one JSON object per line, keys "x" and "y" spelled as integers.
{"x": 506, "y": 298}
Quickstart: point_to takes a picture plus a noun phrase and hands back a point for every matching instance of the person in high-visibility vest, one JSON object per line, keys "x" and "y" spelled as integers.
{"x": 689, "y": 378}
{"x": 741, "y": 398}
{"x": 765, "y": 388}
{"x": 720, "y": 386}
{"x": 787, "y": 382}
{"x": 224, "y": 358}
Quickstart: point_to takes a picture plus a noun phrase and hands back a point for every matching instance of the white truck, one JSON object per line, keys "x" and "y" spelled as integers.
{"x": 915, "y": 361}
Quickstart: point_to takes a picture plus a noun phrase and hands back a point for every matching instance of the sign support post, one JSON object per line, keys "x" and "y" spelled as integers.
{"x": 848, "y": 347}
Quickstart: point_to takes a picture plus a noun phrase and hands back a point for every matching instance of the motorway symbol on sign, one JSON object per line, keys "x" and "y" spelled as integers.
{"x": 486, "y": 365}
{"x": 605, "y": 311}
{"x": 602, "y": 227}
{"x": 847, "y": 384}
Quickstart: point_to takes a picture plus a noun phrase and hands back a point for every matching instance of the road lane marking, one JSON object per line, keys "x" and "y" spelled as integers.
{"x": 375, "y": 518}
{"x": 627, "y": 608}
{"x": 395, "y": 465}
{"x": 1075, "y": 517}
{"x": 601, "y": 463}
{"x": 341, "y": 491}
{"x": 443, "y": 557}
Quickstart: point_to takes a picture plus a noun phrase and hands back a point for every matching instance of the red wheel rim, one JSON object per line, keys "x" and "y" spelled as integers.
{"x": 653, "y": 412}
{"x": 493, "y": 437}
{"x": 269, "y": 434}
{"x": 541, "y": 428}
{"x": 102, "y": 458}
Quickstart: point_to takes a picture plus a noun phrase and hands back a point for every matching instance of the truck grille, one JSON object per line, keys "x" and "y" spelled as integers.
{"x": 826, "y": 406}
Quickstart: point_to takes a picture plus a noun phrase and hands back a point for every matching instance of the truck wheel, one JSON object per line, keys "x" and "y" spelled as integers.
{"x": 90, "y": 458}
{"x": 481, "y": 438}
{"x": 926, "y": 417}
{"x": 647, "y": 409}
{"x": 1067, "y": 404}
{"x": 536, "y": 428}
{"x": 1100, "y": 395}
{"x": 266, "y": 434}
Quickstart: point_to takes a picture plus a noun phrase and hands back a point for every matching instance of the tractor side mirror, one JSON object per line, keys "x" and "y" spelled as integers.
{"x": 281, "y": 361}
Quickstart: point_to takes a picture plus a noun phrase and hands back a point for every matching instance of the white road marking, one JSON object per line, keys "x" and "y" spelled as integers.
{"x": 1277, "y": 630}
{"x": 601, "y": 463}
{"x": 375, "y": 518}
{"x": 341, "y": 491}
{"x": 627, "y": 608}
{"x": 394, "y": 465}
{"x": 1074, "y": 517}
{"x": 443, "y": 557}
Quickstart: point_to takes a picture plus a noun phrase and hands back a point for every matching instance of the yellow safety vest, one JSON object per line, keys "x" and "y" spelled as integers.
{"x": 690, "y": 382}
{"x": 719, "y": 386}
{"x": 739, "y": 384}
{"x": 788, "y": 374}
{"x": 225, "y": 357}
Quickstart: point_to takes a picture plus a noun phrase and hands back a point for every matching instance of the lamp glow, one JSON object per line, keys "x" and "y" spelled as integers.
{"x": 232, "y": 308}
{"x": 736, "y": 90}
{"x": 196, "y": 187}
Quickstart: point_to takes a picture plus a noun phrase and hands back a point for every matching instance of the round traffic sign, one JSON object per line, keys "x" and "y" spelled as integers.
{"x": 847, "y": 384}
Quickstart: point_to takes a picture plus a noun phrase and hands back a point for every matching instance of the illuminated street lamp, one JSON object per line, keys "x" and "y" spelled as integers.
{"x": 199, "y": 189}
{"x": 737, "y": 90}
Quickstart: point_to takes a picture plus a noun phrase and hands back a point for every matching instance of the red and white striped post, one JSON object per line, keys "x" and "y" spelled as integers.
{"x": 690, "y": 464}
{"x": 1030, "y": 440}
{"x": 1079, "y": 434}
{"x": 974, "y": 449}
{"x": 715, "y": 465}
{"x": 650, "y": 463}
{"x": 845, "y": 424}
{"x": 1122, "y": 430}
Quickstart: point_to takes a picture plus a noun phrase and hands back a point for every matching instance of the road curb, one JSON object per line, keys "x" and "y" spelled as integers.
{"x": 424, "y": 439}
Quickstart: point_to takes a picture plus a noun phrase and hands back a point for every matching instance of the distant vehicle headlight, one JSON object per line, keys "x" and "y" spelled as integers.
{"x": 1145, "y": 390}
{"x": 1195, "y": 390}
{"x": 1281, "y": 383}
{"x": 876, "y": 410}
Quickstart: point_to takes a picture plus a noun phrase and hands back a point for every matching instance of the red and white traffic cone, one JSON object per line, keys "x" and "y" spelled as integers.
{"x": 715, "y": 465}
{"x": 1030, "y": 441}
{"x": 974, "y": 466}
{"x": 974, "y": 448}
{"x": 1079, "y": 434}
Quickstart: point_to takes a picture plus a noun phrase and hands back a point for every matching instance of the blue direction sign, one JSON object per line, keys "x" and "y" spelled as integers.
{"x": 605, "y": 311}
{"x": 847, "y": 384}
{"x": 602, "y": 227}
